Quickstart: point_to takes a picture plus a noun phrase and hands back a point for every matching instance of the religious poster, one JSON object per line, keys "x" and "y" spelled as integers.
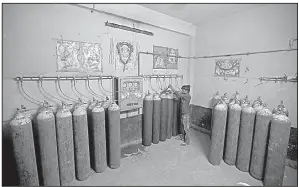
{"x": 74, "y": 56}
{"x": 124, "y": 54}
{"x": 227, "y": 67}
{"x": 165, "y": 58}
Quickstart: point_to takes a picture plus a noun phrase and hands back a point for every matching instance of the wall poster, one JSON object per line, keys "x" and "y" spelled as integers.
{"x": 75, "y": 56}
{"x": 123, "y": 54}
{"x": 227, "y": 67}
{"x": 162, "y": 60}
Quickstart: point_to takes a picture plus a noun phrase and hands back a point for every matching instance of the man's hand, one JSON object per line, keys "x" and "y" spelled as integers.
{"x": 170, "y": 86}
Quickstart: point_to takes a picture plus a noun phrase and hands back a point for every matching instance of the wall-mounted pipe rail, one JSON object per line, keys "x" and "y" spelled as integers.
{"x": 61, "y": 78}
{"x": 161, "y": 76}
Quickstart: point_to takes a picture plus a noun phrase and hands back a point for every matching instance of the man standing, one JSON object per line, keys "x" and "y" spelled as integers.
{"x": 185, "y": 110}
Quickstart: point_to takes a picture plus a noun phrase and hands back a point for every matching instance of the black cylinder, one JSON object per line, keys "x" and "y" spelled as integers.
{"x": 245, "y": 138}
{"x": 99, "y": 157}
{"x": 82, "y": 155}
{"x": 277, "y": 150}
{"x": 218, "y": 133}
{"x": 181, "y": 126}
{"x": 170, "y": 115}
{"x": 232, "y": 134}
{"x": 45, "y": 121}
{"x": 147, "y": 124}
{"x": 156, "y": 118}
{"x": 259, "y": 145}
{"x": 175, "y": 127}
{"x": 24, "y": 151}
{"x": 164, "y": 116}
{"x": 114, "y": 153}
{"x": 65, "y": 142}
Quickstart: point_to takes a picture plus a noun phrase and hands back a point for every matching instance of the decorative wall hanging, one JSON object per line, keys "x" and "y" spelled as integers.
{"x": 123, "y": 54}
{"x": 75, "y": 56}
{"x": 227, "y": 67}
{"x": 166, "y": 58}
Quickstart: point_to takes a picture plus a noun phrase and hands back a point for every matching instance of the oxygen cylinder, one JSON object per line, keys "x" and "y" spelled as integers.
{"x": 181, "y": 126}
{"x": 175, "y": 127}
{"x": 98, "y": 133}
{"x": 259, "y": 146}
{"x": 232, "y": 133}
{"x": 81, "y": 140}
{"x": 24, "y": 150}
{"x": 225, "y": 99}
{"x": 170, "y": 115}
{"x": 259, "y": 106}
{"x": 235, "y": 97}
{"x": 114, "y": 136}
{"x": 156, "y": 118}
{"x": 218, "y": 133}
{"x": 147, "y": 120}
{"x": 90, "y": 129}
{"x": 65, "y": 143}
{"x": 46, "y": 131}
{"x": 277, "y": 150}
{"x": 164, "y": 116}
{"x": 245, "y": 138}
{"x": 216, "y": 99}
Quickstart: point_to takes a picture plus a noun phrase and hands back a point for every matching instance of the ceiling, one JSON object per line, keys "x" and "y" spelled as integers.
{"x": 199, "y": 13}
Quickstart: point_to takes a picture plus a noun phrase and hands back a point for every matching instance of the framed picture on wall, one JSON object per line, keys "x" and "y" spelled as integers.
{"x": 165, "y": 58}
{"x": 227, "y": 67}
{"x": 75, "y": 56}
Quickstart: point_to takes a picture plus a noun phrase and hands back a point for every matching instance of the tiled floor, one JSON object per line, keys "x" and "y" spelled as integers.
{"x": 169, "y": 163}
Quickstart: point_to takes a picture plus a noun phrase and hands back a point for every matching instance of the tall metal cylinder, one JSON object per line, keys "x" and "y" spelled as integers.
{"x": 156, "y": 118}
{"x": 245, "y": 102}
{"x": 277, "y": 150}
{"x": 46, "y": 131}
{"x": 98, "y": 132}
{"x": 245, "y": 138}
{"x": 181, "y": 126}
{"x": 257, "y": 102}
{"x": 225, "y": 99}
{"x": 175, "y": 127}
{"x": 216, "y": 98}
{"x": 81, "y": 139}
{"x": 232, "y": 133}
{"x": 260, "y": 141}
{"x": 164, "y": 116}
{"x": 114, "y": 153}
{"x": 24, "y": 150}
{"x": 147, "y": 123}
{"x": 90, "y": 130}
{"x": 218, "y": 133}
{"x": 170, "y": 115}
{"x": 65, "y": 142}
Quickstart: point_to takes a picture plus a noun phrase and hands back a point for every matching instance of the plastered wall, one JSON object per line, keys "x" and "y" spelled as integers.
{"x": 268, "y": 27}
{"x": 30, "y": 32}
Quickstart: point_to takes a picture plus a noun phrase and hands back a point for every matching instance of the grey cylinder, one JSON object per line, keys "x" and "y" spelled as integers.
{"x": 156, "y": 118}
{"x": 218, "y": 133}
{"x": 82, "y": 155}
{"x": 65, "y": 143}
{"x": 170, "y": 115}
{"x": 24, "y": 151}
{"x": 260, "y": 141}
{"x": 232, "y": 134}
{"x": 46, "y": 131}
{"x": 181, "y": 126}
{"x": 175, "y": 127}
{"x": 99, "y": 136}
{"x": 164, "y": 116}
{"x": 277, "y": 150}
{"x": 114, "y": 153}
{"x": 147, "y": 124}
{"x": 245, "y": 138}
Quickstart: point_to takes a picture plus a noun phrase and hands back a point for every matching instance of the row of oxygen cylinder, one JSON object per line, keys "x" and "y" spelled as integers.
{"x": 251, "y": 137}
{"x": 161, "y": 117}
{"x": 55, "y": 149}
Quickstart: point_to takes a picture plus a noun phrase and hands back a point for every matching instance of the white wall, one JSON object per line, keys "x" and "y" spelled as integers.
{"x": 29, "y": 48}
{"x": 267, "y": 27}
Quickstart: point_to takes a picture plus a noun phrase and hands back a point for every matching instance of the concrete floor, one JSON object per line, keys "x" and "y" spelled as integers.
{"x": 169, "y": 163}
